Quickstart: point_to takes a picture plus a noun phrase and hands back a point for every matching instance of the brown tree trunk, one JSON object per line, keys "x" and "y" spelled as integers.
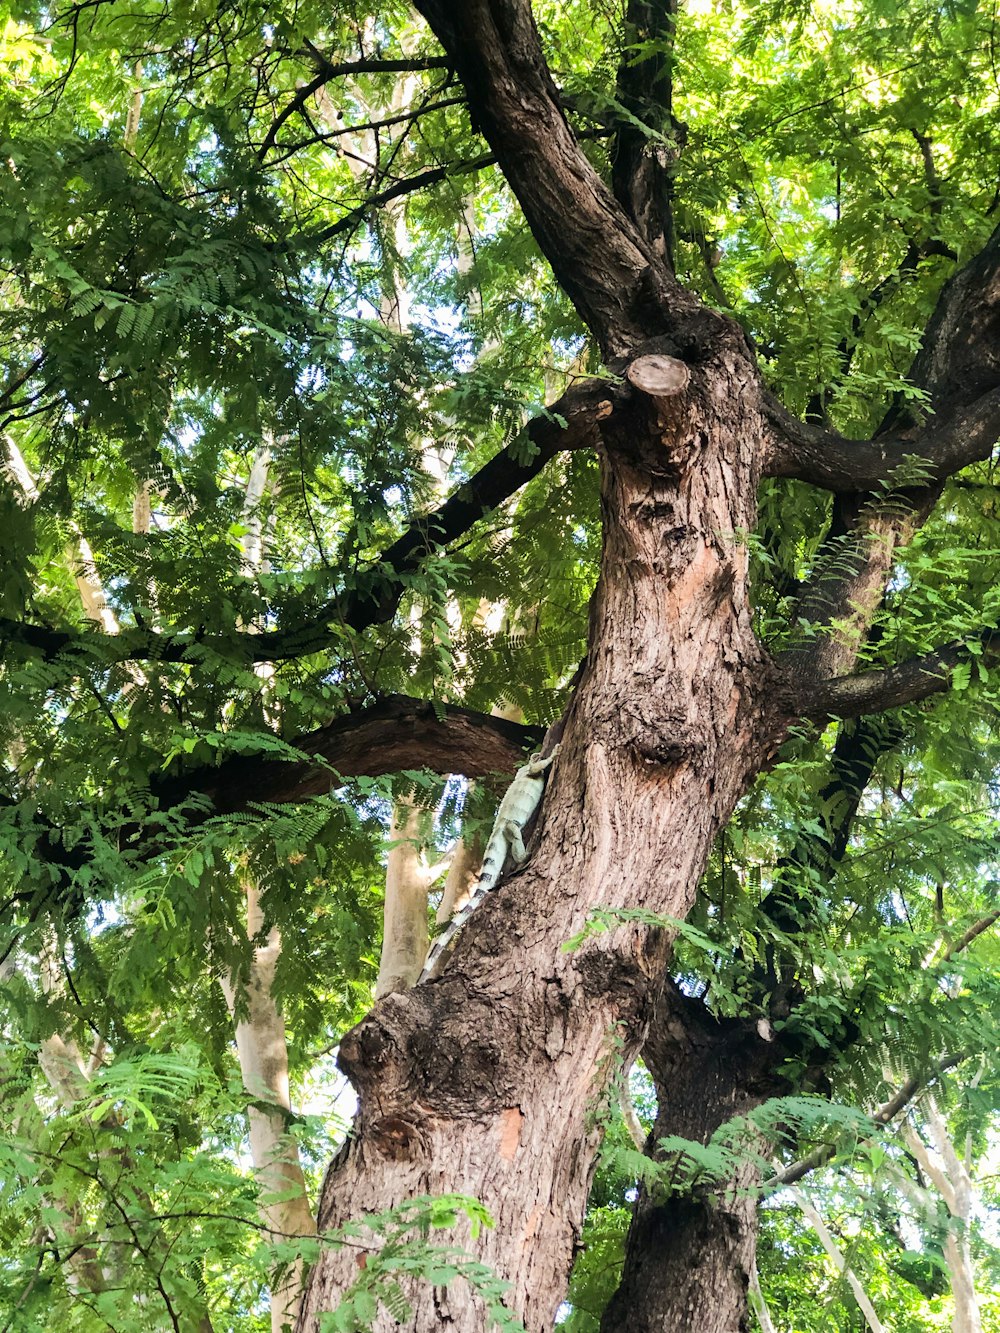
{"x": 690, "y": 1260}
{"x": 486, "y": 1081}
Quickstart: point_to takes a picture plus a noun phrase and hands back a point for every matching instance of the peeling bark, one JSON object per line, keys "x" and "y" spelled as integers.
{"x": 958, "y": 371}
{"x": 849, "y": 583}
{"x": 466, "y": 858}
{"x": 836, "y": 1257}
{"x": 953, "y": 1181}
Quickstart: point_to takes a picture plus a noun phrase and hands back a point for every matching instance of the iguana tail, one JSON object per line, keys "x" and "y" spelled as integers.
{"x": 442, "y": 945}
{"x": 496, "y": 854}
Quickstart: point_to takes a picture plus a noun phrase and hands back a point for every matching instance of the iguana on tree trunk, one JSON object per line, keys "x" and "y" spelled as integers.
{"x": 519, "y": 803}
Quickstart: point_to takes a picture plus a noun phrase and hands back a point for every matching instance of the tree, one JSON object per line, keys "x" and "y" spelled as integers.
{"x": 767, "y": 288}
{"x": 793, "y": 1000}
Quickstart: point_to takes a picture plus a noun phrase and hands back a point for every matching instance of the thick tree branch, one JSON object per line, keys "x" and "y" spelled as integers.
{"x": 816, "y": 855}
{"x": 959, "y": 359}
{"x": 397, "y": 734}
{"x": 958, "y": 371}
{"x": 878, "y": 509}
{"x": 845, "y": 466}
{"x": 905, "y": 683}
{"x": 571, "y": 423}
{"x": 611, "y": 275}
{"x": 646, "y": 143}
{"x": 391, "y": 736}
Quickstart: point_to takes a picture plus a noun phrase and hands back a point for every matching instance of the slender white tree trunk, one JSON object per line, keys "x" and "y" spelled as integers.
{"x": 838, "y": 1260}
{"x": 404, "y": 929}
{"x": 81, "y": 560}
{"x": 953, "y": 1179}
{"x": 261, "y": 1043}
{"x": 758, "y": 1303}
{"x": 134, "y": 110}
{"x": 263, "y": 1056}
{"x": 466, "y": 858}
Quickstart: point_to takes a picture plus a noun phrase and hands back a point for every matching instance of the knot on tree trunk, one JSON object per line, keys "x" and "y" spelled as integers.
{"x": 398, "y": 1138}
{"x": 666, "y": 751}
{"x": 417, "y": 1046}
{"x": 625, "y": 963}
{"x": 658, "y": 732}
{"x": 367, "y": 1046}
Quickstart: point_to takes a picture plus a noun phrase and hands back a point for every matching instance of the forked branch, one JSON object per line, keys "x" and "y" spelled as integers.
{"x": 957, "y": 372}
{"x": 620, "y": 288}
{"x": 905, "y": 458}
{"x": 329, "y": 70}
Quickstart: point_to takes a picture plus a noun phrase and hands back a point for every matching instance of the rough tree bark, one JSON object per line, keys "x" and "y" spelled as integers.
{"x": 844, "y": 592}
{"x": 485, "y": 1080}
{"x": 689, "y": 1260}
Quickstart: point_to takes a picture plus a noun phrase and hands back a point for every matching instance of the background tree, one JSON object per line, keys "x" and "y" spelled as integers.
{"x": 746, "y": 257}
